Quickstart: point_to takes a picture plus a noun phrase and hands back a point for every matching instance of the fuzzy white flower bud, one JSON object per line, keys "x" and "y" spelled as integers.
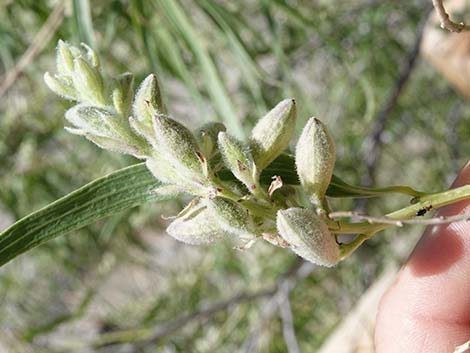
{"x": 197, "y": 226}
{"x": 162, "y": 170}
{"x": 91, "y": 120}
{"x": 238, "y": 159}
{"x": 148, "y": 100}
{"x": 144, "y": 130}
{"x": 88, "y": 82}
{"x": 123, "y": 93}
{"x": 315, "y": 159}
{"x": 60, "y": 86}
{"x": 231, "y": 216}
{"x": 178, "y": 145}
{"x": 115, "y": 145}
{"x": 308, "y": 236}
{"x": 272, "y": 134}
{"x": 64, "y": 58}
{"x": 91, "y": 56}
{"x": 207, "y": 138}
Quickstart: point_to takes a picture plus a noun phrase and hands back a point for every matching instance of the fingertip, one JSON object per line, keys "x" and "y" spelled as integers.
{"x": 428, "y": 306}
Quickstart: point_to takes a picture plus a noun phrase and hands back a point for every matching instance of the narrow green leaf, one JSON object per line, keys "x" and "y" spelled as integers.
{"x": 82, "y": 16}
{"x": 284, "y": 166}
{"x": 217, "y": 91}
{"x": 110, "y": 194}
{"x": 170, "y": 50}
{"x": 252, "y": 73}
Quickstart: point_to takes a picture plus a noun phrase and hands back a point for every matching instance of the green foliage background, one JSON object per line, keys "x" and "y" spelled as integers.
{"x": 217, "y": 60}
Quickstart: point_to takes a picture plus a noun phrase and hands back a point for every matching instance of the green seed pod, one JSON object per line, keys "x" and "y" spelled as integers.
{"x": 231, "y": 216}
{"x": 123, "y": 93}
{"x": 178, "y": 145}
{"x": 64, "y": 59}
{"x": 315, "y": 159}
{"x": 238, "y": 159}
{"x": 272, "y": 133}
{"x": 198, "y": 226}
{"x": 88, "y": 82}
{"x": 148, "y": 100}
{"x": 60, "y": 86}
{"x": 207, "y": 138}
{"x": 308, "y": 236}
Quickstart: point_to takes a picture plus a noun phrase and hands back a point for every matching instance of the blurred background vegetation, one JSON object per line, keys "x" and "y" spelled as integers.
{"x": 123, "y": 285}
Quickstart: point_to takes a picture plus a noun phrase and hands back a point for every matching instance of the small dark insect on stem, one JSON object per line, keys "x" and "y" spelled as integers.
{"x": 424, "y": 210}
{"x": 337, "y": 240}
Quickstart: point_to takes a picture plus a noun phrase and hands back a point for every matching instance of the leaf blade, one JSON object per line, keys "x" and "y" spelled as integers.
{"x": 115, "y": 192}
{"x": 83, "y": 21}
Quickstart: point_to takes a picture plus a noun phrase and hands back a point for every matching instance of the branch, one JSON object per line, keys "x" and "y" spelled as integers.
{"x": 285, "y": 285}
{"x": 151, "y": 335}
{"x": 400, "y": 222}
{"x": 446, "y": 22}
{"x": 287, "y": 318}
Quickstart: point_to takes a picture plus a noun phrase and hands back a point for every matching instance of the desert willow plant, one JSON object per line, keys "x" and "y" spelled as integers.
{"x": 227, "y": 177}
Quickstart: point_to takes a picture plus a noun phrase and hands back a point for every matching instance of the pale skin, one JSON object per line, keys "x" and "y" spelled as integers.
{"x": 427, "y": 309}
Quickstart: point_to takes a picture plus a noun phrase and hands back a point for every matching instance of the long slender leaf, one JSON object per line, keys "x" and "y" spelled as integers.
{"x": 251, "y": 73}
{"x": 82, "y": 15}
{"x": 110, "y": 194}
{"x": 217, "y": 91}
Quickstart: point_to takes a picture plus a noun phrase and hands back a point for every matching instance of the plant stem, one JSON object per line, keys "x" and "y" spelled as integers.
{"x": 264, "y": 211}
{"x": 367, "y": 230}
{"x": 259, "y": 210}
{"x": 436, "y": 200}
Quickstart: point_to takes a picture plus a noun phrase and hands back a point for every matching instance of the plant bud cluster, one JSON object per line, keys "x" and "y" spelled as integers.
{"x": 241, "y": 207}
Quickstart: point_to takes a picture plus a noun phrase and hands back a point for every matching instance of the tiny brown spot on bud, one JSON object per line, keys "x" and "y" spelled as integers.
{"x": 201, "y": 157}
{"x": 241, "y": 166}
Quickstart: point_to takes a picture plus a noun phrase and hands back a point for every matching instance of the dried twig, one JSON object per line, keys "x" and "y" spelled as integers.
{"x": 285, "y": 285}
{"x": 446, "y": 22}
{"x": 267, "y": 311}
{"x": 39, "y": 42}
{"x": 150, "y": 336}
{"x": 287, "y": 321}
{"x": 400, "y": 222}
